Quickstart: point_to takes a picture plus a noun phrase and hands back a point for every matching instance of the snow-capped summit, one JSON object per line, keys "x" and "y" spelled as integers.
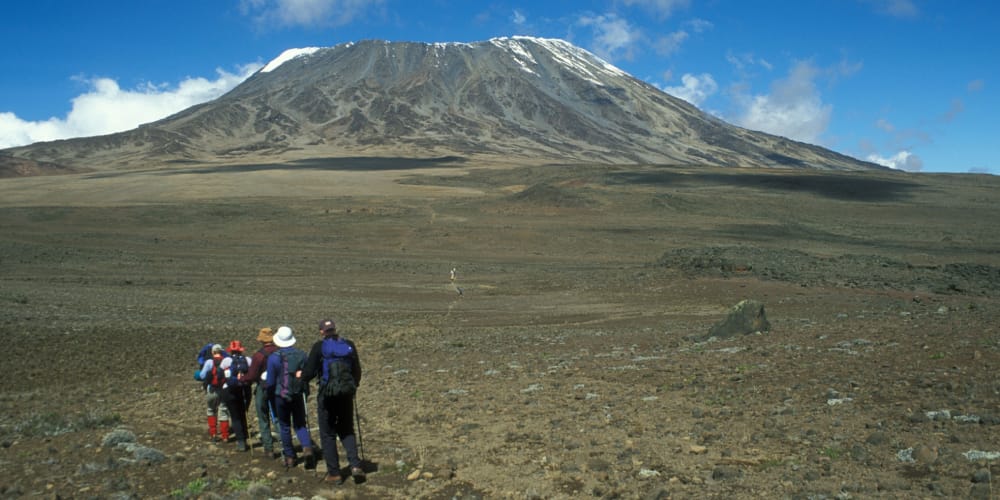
{"x": 516, "y": 99}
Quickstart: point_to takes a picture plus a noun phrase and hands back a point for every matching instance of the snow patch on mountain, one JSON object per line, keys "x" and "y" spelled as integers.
{"x": 520, "y": 54}
{"x": 586, "y": 64}
{"x": 286, "y": 56}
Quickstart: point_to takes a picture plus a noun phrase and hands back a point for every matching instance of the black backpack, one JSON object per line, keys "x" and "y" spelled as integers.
{"x": 338, "y": 364}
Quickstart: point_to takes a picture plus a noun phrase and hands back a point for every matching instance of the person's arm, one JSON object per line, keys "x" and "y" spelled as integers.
{"x": 206, "y": 369}
{"x": 273, "y": 365}
{"x": 254, "y": 363}
{"x": 355, "y": 364}
{"x": 314, "y": 366}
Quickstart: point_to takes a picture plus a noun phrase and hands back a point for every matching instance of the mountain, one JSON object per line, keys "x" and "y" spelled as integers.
{"x": 522, "y": 100}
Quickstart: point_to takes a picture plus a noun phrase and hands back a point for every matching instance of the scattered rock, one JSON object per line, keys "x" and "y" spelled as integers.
{"x": 724, "y": 472}
{"x": 924, "y": 454}
{"x": 117, "y": 437}
{"x": 981, "y": 491}
{"x": 876, "y": 438}
{"x": 744, "y": 318}
{"x": 982, "y": 476}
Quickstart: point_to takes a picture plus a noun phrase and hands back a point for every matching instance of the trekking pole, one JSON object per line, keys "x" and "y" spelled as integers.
{"x": 357, "y": 419}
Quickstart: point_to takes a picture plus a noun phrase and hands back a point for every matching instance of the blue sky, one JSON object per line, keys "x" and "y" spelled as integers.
{"x": 912, "y": 84}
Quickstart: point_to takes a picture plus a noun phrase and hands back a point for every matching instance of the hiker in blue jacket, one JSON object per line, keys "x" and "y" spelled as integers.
{"x": 334, "y": 362}
{"x": 285, "y": 388}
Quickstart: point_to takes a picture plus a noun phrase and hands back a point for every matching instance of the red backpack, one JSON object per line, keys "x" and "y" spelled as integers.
{"x": 217, "y": 377}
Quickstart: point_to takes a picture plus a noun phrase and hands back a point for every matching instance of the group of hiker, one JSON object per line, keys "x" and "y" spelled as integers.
{"x": 275, "y": 379}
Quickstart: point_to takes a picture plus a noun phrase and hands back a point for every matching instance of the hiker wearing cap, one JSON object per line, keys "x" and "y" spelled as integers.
{"x": 238, "y": 392}
{"x": 262, "y": 403}
{"x": 286, "y": 388}
{"x": 334, "y": 362}
{"x": 213, "y": 376}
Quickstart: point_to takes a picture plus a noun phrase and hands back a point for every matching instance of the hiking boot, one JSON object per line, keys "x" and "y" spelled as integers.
{"x": 308, "y": 458}
{"x": 333, "y": 479}
{"x": 241, "y": 446}
{"x": 358, "y": 472}
{"x": 289, "y": 462}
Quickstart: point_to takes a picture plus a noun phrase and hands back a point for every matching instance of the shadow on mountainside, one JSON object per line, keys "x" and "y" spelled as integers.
{"x": 353, "y": 164}
{"x": 841, "y": 187}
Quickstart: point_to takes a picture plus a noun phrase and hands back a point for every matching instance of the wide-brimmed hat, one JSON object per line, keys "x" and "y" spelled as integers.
{"x": 326, "y": 325}
{"x": 236, "y": 346}
{"x": 265, "y": 335}
{"x": 284, "y": 337}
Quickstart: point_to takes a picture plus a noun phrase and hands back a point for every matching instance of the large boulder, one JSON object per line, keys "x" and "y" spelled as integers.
{"x": 744, "y": 318}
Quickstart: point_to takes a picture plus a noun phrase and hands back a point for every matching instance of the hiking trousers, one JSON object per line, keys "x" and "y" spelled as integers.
{"x": 213, "y": 397}
{"x": 264, "y": 411}
{"x": 291, "y": 415}
{"x": 336, "y": 420}
{"x": 237, "y": 403}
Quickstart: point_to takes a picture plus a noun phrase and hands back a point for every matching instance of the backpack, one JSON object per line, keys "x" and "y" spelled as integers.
{"x": 338, "y": 376}
{"x": 237, "y": 370}
{"x": 288, "y": 385}
{"x": 205, "y": 354}
{"x": 217, "y": 377}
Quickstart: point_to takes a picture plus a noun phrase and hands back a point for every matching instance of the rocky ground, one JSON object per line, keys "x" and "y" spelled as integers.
{"x": 567, "y": 367}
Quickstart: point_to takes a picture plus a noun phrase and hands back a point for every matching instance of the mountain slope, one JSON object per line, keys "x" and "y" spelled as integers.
{"x": 508, "y": 99}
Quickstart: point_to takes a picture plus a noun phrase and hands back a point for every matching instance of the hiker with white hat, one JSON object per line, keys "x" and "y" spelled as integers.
{"x": 286, "y": 389}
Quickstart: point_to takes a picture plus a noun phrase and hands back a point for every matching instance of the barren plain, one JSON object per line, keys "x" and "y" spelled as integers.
{"x": 572, "y": 362}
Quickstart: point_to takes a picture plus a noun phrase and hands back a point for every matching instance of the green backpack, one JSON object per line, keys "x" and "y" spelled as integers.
{"x": 288, "y": 385}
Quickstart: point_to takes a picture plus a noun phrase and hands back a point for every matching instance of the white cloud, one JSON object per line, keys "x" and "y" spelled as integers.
{"x": 671, "y": 43}
{"x": 793, "y": 109}
{"x": 903, "y": 160}
{"x": 744, "y": 62}
{"x": 661, "y": 8}
{"x": 307, "y": 12}
{"x": 976, "y": 85}
{"x": 896, "y": 8}
{"x": 694, "y": 88}
{"x": 518, "y": 18}
{"x": 699, "y": 25}
{"x": 106, "y": 108}
{"x": 956, "y": 108}
{"x": 612, "y": 35}
{"x": 885, "y": 125}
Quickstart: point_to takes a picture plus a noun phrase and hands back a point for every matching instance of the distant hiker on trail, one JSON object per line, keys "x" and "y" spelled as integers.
{"x": 334, "y": 361}
{"x": 214, "y": 378}
{"x": 238, "y": 391}
{"x": 285, "y": 386}
{"x": 262, "y": 403}
{"x": 453, "y": 277}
